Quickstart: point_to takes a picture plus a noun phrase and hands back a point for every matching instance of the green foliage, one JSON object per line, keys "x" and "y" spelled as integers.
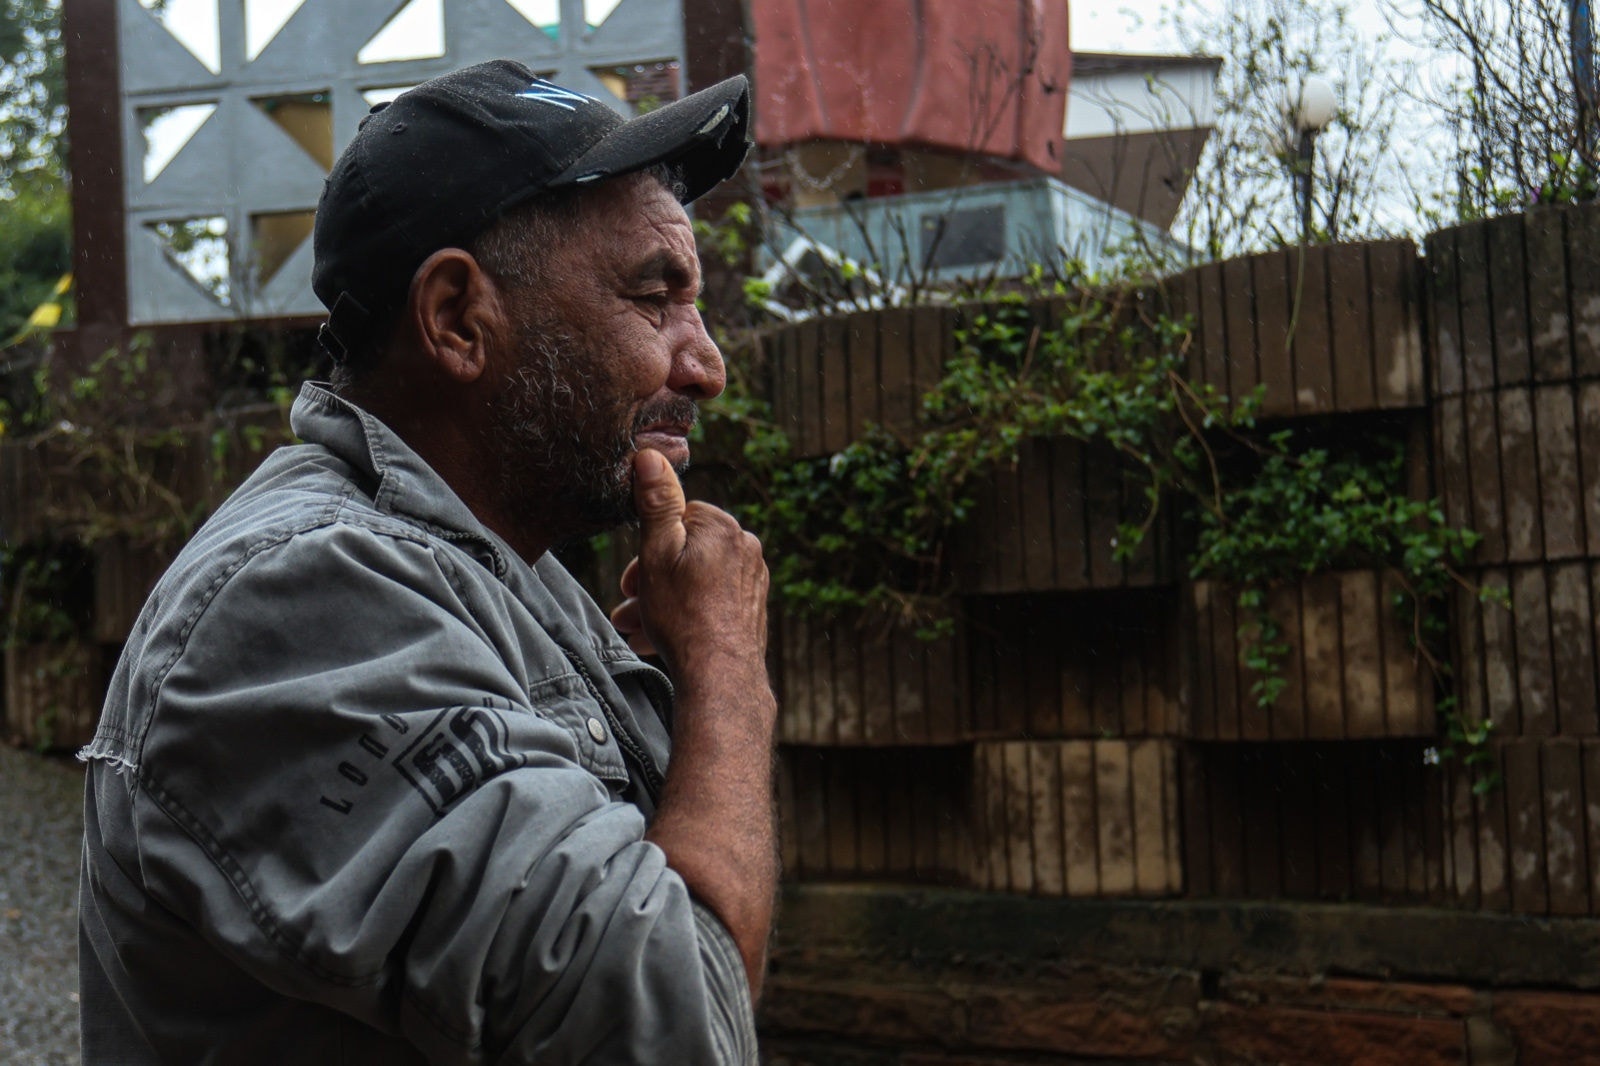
{"x": 1262, "y": 647}
{"x": 122, "y": 462}
{"x": 728, "y": 239}
{"x": 46, "y": 594}
{"x": 46, "y": 602}
{"x": 33, "y": 96}
{"x": 249, "y": 365}
{"x": 35, "y": 212}
{"x": 1300, "y": 511}
{"x": 122, "y": 466}
{"x": 872, "y": 525}
{"x": 35, "y": 251}
{"x": 1467, "y": 742}
{"x": 1289, "y": 511}
{"x": 200, "y": 247}
{"x": 1570, "y": 181}
{"x": 123, "y": 472}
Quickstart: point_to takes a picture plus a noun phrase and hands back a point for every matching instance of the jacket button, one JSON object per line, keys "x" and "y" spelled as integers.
{"x": 597, "y": 731}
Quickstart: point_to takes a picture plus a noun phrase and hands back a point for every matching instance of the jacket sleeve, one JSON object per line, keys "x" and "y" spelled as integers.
{"x": 346, "y": 788}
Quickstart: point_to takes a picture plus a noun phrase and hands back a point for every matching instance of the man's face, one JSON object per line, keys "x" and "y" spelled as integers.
{"x": 611, "y": 356}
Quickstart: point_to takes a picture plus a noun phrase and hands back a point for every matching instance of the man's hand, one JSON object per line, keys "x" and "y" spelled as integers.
{"x": 698, "y": 594}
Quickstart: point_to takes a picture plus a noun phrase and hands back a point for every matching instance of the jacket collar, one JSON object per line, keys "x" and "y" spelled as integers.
{"x": 407, "y": 485}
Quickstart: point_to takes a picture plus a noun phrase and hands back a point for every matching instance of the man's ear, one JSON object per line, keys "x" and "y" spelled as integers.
{"x": 454, "y": 306}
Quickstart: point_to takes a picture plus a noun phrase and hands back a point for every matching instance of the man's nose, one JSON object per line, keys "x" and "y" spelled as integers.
{"x": 697, "y": 367}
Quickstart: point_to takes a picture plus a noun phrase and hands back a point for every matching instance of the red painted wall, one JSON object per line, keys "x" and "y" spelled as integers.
{"x": 965, "y": 75}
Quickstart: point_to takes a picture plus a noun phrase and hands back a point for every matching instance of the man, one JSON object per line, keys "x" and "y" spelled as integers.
{"x": 376, "y": 782}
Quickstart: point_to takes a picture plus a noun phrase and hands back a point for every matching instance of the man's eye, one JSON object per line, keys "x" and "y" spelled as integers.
{"x": 655, "y": 303}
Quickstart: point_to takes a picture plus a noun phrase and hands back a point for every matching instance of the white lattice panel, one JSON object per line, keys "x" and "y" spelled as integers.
{"x": 268, "y": 93}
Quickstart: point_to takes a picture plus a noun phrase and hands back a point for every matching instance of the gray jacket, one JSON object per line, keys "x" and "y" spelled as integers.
{"x": 370, "y": 789}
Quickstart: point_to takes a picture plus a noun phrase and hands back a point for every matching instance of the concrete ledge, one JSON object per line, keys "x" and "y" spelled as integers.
{"x": 930, "y": 927}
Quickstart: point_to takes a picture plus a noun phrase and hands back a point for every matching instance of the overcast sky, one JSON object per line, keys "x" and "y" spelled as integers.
{"x": 1127, "y": 27}
{"x": 1143, "y": 27}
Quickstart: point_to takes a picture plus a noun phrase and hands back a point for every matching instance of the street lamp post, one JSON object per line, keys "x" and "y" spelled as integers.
{"x": 1310, "y": 112}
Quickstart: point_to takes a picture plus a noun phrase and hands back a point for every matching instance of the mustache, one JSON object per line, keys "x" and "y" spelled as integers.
{"x": 673, "y": 409}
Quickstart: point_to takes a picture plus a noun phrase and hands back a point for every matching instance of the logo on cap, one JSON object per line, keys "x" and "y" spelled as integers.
{"x": 549, "y": 93}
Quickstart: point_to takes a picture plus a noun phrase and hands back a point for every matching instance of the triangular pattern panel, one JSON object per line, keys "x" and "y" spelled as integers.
{"x": 596, "y": 12}
{"x": 159, "y": 290}
{"x": 241, "y": 164}
{"x": 262, "y": 29}
{"x": 201, "y": 172}
{"x": 165, "y": 131}
{"x": 152, "y": 59}
{"x": 289, "y": 292}
{"x": 272, "y": 172}
{"x": 415, "y": 32}
{"x": 633, "y": 28}
{"x": 496, "y": 29}
{"x": 321, "y": 37}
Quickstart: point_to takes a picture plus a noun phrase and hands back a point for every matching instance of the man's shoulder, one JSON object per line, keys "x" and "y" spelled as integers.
{"x": 298, "y": 489}
{"x": 303, "y": 511}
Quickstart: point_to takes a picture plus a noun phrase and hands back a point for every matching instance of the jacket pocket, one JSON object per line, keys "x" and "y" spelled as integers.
{"x": 565, "y": 701}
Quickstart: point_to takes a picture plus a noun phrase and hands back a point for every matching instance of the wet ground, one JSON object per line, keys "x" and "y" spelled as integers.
{"x": 41, "y": 819}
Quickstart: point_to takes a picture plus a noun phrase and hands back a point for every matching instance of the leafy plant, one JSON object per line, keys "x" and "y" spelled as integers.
{"x": 728, "y": 238}
{"x": 33, "y": 95}
{"x": 871, "y": 526}
{"x": 1467, "y": 742}
{"x": 118, "y": 465}
{"x": 46, "y": 595}
{"x": 1291, "y": 510}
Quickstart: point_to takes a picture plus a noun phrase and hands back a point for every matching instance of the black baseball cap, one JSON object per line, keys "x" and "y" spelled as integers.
{"x": 441, "y": 162}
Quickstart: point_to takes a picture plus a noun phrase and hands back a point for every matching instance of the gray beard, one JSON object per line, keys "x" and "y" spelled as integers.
{"x": 564, "y": 447}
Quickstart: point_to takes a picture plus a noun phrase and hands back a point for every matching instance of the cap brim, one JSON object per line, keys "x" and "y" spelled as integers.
{"x": 704, "y": 135}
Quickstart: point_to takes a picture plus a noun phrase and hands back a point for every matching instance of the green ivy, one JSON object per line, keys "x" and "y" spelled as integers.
{"x": 871, "y": 526}
{"x": 1466, "y": 742}
{"x": 126, "y": 473}
{"x": 1293, "y": 511}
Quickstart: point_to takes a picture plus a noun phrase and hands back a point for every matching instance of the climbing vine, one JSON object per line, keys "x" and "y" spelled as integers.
{"x": 108, "y": 452}
{"x": 872, "y": 525}
{"x": 119, "y": 463}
